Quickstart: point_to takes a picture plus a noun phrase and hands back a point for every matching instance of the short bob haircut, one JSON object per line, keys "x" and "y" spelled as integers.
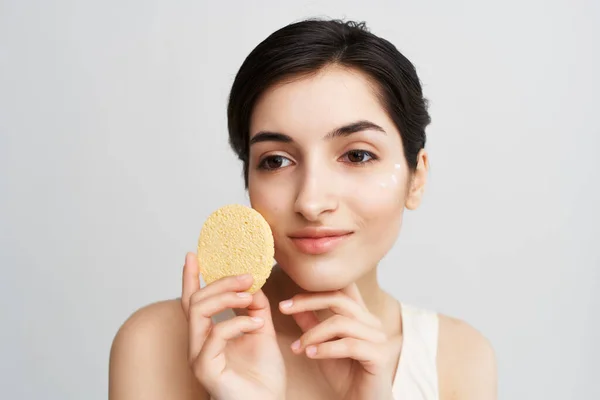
{"x": 303, "y": 48}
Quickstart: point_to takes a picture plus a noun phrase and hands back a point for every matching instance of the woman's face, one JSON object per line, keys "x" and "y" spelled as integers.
{"x": 328, "y": 173}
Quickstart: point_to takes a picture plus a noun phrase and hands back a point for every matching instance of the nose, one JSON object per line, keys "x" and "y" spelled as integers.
{"x": 316, "y": 195}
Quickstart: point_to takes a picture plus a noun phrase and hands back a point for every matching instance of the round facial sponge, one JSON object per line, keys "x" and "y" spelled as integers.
{"x": 235, "y": 240}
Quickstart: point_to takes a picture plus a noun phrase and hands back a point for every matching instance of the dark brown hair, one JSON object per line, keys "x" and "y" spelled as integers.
{"x": 305, "y": 47}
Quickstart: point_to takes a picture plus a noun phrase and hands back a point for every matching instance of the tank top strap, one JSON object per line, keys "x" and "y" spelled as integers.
{"x": 416, "y": 376}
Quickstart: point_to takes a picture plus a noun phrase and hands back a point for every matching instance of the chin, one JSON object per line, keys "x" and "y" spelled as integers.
{"x": 319, "y": 274}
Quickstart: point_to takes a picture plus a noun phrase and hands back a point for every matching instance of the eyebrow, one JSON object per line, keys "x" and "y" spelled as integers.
{"x": 342, "y": 131}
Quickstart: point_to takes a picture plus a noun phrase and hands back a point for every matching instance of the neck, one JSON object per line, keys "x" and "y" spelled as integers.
{"x": 374, "y": 297}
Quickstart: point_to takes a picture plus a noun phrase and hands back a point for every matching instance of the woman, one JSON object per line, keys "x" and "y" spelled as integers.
{"x": 329, "y": 121}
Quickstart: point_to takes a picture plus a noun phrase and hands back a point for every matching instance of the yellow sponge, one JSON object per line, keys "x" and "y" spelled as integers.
{"x": 235, "y": 240}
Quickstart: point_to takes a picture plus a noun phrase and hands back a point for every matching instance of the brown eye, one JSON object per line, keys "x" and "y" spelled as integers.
{"x": 359, "y": 156}
{"x": 273, "y": 162}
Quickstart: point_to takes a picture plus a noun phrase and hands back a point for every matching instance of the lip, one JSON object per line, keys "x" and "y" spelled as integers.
{"x": 321, "y": 240}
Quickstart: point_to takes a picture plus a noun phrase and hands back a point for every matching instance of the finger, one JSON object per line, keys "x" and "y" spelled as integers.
{"x": 260, "y": 308}
{"x": 370, "y": 355}
{"x": 338, "y": 326}
{"x": 238, "y": 284}
{"x": 200, "y": 317}
{"x": 212, "y": 355}
{"x": 190, "y": 280}
{"x": 337, "y": 302}
{"x": 306, "y": 320}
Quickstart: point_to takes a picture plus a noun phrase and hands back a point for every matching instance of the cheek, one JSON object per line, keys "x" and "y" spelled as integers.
{"x": 270, "y": 201}
{"x": 378, "y": 195}
{"x": 378, "y": 204}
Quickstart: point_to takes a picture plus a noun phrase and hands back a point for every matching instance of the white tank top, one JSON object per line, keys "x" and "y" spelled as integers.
{"x": 416, "y": 376}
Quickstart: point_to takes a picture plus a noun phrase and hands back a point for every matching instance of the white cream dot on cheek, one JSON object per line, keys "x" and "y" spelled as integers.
{"x": 390, "y": 181}
{"x": 378, "y": 193}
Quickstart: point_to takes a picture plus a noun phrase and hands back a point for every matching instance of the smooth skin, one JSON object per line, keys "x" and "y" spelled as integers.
{"x": 321, "y": 327}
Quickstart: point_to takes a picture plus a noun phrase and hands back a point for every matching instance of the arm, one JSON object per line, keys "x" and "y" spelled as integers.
{"x": 466, "y": 363}
{"x": 148, "y": 358}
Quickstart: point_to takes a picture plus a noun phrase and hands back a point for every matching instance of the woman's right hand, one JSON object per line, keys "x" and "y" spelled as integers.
{"x": 228, "y": 365}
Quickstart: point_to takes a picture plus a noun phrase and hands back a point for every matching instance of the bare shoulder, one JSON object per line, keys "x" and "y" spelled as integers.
{"x": 148, "y": 357}
{"x": 466, "y": 362}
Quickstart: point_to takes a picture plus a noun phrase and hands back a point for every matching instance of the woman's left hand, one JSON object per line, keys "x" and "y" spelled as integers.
{"x": 354, "y": 354}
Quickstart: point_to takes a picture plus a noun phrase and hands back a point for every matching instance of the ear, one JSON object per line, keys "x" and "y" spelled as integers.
{"x": 418, "y": 181}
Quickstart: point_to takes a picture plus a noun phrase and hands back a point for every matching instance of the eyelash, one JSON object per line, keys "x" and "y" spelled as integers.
{"x": 372, "y": 157}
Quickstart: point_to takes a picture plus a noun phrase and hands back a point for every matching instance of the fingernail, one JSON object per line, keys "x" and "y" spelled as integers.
{"x": 296, "y": 345}
{"x": 311, "y": 351}
{"x": 243, "y": 294}
{"x": 243, "y": 277}
{"x": 286, "y": 303}
{"x": 258, "y": 320}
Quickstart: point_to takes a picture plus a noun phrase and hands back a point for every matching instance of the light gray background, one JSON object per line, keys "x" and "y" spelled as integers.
{"x": 113, "y": 150}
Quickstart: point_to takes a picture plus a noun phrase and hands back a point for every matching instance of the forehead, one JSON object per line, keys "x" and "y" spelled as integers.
{"x": 318, "y": 103}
